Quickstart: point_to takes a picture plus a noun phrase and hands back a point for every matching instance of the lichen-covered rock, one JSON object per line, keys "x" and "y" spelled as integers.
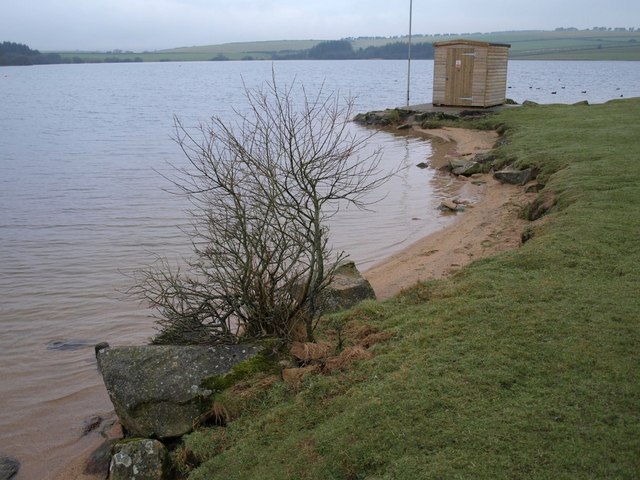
{"x": 8, "y": 467}
{"x": 348, "y": 288}
{"x": 157, "y": 390}
{"x": 139, "y": 459}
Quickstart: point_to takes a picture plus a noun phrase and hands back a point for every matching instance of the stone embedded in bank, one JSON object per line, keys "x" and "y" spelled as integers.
{"x": 516, "y": 177}
{"x": 157, "y": 391}
{"x": 347, "y": 289}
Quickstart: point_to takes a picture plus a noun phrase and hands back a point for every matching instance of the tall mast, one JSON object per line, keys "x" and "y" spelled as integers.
{"x": 409, "y": 54}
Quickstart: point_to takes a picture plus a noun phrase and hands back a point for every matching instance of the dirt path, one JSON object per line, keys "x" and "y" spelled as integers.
{"x": 490, "y": 225}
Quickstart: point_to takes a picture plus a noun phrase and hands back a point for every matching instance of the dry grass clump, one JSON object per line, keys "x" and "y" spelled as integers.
{"x": 347, "y": 357}
{"x": 310, "y": 352}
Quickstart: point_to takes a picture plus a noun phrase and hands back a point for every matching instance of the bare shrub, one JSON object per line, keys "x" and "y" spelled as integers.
{"x": 262, "y": 189}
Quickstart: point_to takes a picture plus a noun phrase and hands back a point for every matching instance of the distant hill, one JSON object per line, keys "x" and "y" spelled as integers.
{"x": 560, "y": 44}
{"x": 564, "y": 44}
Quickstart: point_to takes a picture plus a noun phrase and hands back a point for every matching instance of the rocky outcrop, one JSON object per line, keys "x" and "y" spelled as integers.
{"x": 140, "y": 459}
{"x": 8, "y": 467}
{"x": 516, "y": 177}
{"x": 348, "y": 288}
{"x": 157, "y": 391}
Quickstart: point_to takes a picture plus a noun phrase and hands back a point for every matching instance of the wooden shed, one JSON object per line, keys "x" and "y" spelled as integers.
{"x": 468, "y": 73}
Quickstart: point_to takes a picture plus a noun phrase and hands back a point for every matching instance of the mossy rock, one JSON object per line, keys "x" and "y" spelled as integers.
{"x": 157, "y": 390}
{"x": 260, "y": 363}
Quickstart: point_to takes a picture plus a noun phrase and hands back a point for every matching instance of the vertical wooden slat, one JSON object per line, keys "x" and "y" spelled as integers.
{"x": 478, "y": 79}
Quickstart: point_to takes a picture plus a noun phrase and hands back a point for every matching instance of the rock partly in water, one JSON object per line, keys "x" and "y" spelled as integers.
{"x": 347, "y": 289}
{"x": 157, "y": 390}
{"x": 461, "y": 166}
{"x": 515, "y": 177}
{"x": 8, "y": 467}
{"x": 140, "y": 459}
{"x": 70, "y": 344}
{"x": 100, "y": 459}
{"x": 451, "y": 205}
{"x": 92, "y": 423}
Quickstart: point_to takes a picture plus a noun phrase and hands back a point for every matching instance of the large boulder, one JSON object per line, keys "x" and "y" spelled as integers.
{"x": 8, "y": 467}
{"x": 348, "y": 288}
{"x": 157, "y": 390}
{"x": 139, "y": 459}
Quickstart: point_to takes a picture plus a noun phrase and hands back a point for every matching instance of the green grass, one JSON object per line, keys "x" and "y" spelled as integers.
{"x": 525, "y": 365}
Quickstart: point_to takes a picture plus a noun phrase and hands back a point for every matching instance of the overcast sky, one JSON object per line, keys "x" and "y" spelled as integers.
{"x": 157, "y": 24}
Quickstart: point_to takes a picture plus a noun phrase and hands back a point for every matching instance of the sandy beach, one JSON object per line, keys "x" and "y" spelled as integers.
{"x": 489, "y": 225}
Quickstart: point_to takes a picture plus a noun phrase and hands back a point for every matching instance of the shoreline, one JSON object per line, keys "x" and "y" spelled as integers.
{"x": 489, "y": 225}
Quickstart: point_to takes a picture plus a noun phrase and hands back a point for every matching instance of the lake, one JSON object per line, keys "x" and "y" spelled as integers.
{"x": 83, "y": 204}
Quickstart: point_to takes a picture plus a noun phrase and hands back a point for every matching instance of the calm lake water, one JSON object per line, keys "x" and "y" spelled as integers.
{"x": 82, "y": 205}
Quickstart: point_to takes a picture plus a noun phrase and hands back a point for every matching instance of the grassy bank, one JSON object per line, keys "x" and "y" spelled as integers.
{"x": 520, "y": 366}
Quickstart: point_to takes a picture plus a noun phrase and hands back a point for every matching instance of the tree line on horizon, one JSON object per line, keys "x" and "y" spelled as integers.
{"x": 12, "y": 53}
{"x": 18, "y": 54}
{"x": 343, "y": 50}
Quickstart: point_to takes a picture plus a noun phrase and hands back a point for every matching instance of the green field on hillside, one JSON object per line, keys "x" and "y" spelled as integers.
{"x": 521, "y": 366}
{"x": 531, "y": 45}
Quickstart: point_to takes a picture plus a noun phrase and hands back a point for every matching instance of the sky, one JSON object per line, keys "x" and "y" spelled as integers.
{"x": 140, "y": 25}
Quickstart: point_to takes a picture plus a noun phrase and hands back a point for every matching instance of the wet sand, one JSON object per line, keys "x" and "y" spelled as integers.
{"x": 489, "y": 225}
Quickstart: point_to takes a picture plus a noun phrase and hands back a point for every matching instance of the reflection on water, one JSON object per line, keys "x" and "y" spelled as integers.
{"x": 81, "y": 206}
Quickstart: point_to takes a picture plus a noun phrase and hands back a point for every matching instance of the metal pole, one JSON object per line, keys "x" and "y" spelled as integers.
{"x": 409, "y": 55}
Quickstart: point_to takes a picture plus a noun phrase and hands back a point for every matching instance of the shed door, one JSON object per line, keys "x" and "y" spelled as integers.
{"x": 459, "y": 79}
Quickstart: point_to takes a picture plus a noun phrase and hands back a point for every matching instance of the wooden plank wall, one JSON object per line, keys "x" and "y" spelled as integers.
{"x": 479, "y": 77}
{"x": 439, "y": 74}
{"x": 496, "y": 83}
{"x": 489, "y": 75}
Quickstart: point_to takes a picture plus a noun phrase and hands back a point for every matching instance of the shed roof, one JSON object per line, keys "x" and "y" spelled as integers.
{"x": 474, "y": 43}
